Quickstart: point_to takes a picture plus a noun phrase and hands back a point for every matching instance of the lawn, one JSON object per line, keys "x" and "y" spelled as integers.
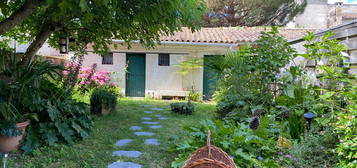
{"x": 96, "y": 150}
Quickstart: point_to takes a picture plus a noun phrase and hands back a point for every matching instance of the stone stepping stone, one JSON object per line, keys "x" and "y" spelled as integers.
{"x": 146, "y": 105}
{"x": 133, "y": 154}
{"x": 148, "y": 112}
{"x": 146, "y": 118}
{"x": 150, "y": 122}
{"x": 135, "y": 128}
{"x": 163, "y": 118}
{"x": 123, "y": 142}
{"x": 124, "y": 165}
{"x": 155, "y": 126}
{"x": 152, "y": 142}
{"x": 158, "y": 115}
{"x": 157, "y": 109}
{"x": 144, "y": 133}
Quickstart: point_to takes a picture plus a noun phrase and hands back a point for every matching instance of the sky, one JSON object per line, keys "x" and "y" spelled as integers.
{"x": 344, "y": 1}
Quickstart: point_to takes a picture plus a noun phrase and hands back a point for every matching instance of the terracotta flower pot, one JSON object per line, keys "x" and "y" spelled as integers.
{"x": 106, "y": 111}
{"x": 8, "y": 144}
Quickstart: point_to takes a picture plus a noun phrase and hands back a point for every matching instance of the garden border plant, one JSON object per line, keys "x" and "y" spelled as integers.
{"x": 259, "y": 77}
{"x": 103, "y": 101}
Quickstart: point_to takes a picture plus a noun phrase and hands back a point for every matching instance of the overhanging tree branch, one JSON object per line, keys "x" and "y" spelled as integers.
{"x": 45, "y": 32}
{"x": 19, "y": 15}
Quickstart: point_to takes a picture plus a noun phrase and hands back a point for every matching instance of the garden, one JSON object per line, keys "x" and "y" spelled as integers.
{"x": 273, "y": 112}
{"x": 267, "y": 110}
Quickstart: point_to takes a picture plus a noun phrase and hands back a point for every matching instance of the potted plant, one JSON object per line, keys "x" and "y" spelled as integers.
{"x": 12, "y": 127}
{"x": 103, "y": 101}
{"x": 19, "y": 87}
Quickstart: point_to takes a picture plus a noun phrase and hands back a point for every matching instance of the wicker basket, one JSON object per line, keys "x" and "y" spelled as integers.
{"x": 209, "y": 156}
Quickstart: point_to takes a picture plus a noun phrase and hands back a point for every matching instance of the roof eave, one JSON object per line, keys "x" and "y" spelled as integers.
{"x": 190, "y": 43}
{"x": 320, "y": 33}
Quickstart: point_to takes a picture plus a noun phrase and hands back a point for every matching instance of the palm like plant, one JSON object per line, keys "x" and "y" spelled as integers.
{"x": 21, "y": 85}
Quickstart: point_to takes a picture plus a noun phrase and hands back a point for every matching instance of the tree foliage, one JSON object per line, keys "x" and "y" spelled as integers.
{"x": 248, "y": 75}
{"x": 252, "y": 12}
{"x": 94, "y": 21}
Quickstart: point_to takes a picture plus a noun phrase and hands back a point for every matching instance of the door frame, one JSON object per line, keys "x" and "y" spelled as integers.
{"x": 127, "y": 55}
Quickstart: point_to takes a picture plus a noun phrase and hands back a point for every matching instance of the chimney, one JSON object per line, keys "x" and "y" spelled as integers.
{"x": 338, "y": 12}
{"x": 334, "y": 16}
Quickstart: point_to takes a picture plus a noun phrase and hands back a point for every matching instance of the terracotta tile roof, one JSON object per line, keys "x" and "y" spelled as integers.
{"x": 230, "y": 34}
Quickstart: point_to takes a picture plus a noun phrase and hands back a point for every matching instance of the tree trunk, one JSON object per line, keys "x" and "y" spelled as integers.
{"x": 46, "y": 30}
{"x": 19, "y": 15}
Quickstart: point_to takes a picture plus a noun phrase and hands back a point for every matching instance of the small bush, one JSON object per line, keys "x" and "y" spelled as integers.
{"x": 314, "y": 150}
{"x": 183, "y": 108}
{"x": 102, "y": 97}
{"x": 194, "y": 96}
{"x": 60, "y": 121}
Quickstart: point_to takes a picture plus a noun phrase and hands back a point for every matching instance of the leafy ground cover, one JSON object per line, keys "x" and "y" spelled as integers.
{"x": 96, "y": 150}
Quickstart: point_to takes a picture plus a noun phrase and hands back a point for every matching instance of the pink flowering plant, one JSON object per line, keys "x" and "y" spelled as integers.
{"x": 90, "y": 77}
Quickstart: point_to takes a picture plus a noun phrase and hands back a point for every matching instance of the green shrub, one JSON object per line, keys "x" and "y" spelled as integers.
{"x": 295, "y": 125}
{"x": 59, "y": 121}
{"x": 315, "y": 150}
{"x": 194, "y": 96}
{"x": 102, "y": 97}
{"x": 183, "y": 108}
{"x": 346, "y": 128}
{"x": 248, "y": 76}
{"x": 36, "y": 92}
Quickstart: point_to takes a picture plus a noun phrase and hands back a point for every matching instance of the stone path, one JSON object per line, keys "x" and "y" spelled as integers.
{"x": 152, "y": 142}
{"x": 124, "y": 165}
{"x": 135, "y": 128}
{"x": 134, "y": 154}
{"x": 157, "y": 109}
{"x": 150, "y": 124}
{"x": 144, "y": 133}
{"x": 123, "y": 142}
{"x": 155, "y": 126}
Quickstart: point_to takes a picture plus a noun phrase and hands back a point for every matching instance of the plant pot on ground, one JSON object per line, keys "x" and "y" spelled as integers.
{"x": 11, "y": 134}
{"x": 102, "y": 101}
{"x": 183, "y": 108}
{"x": 106, "y": 110}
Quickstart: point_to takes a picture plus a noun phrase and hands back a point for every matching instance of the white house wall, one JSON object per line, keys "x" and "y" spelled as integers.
{"x": 118, "y": 67}
{"x": 160, "y": 80}
{"x": 163, "y": 80}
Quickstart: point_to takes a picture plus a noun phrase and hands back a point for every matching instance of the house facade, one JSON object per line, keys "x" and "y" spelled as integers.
{"x": 322, "y": 14}
{"x": 154, "y": 73}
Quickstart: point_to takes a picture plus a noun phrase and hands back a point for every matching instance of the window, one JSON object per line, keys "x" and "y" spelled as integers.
{"x": 107, "y": 59}
{"x": 164, "y": 59}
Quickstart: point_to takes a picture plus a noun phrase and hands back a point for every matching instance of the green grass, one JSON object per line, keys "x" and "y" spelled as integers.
{"x": 96, "y": 150}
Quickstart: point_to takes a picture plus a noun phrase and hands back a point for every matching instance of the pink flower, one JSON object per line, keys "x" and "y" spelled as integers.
{"x": 65, "y": 72}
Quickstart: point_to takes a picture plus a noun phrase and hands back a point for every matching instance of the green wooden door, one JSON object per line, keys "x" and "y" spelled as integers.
{"x": 209, "y": 77}
{"x": 135, "y": 75}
